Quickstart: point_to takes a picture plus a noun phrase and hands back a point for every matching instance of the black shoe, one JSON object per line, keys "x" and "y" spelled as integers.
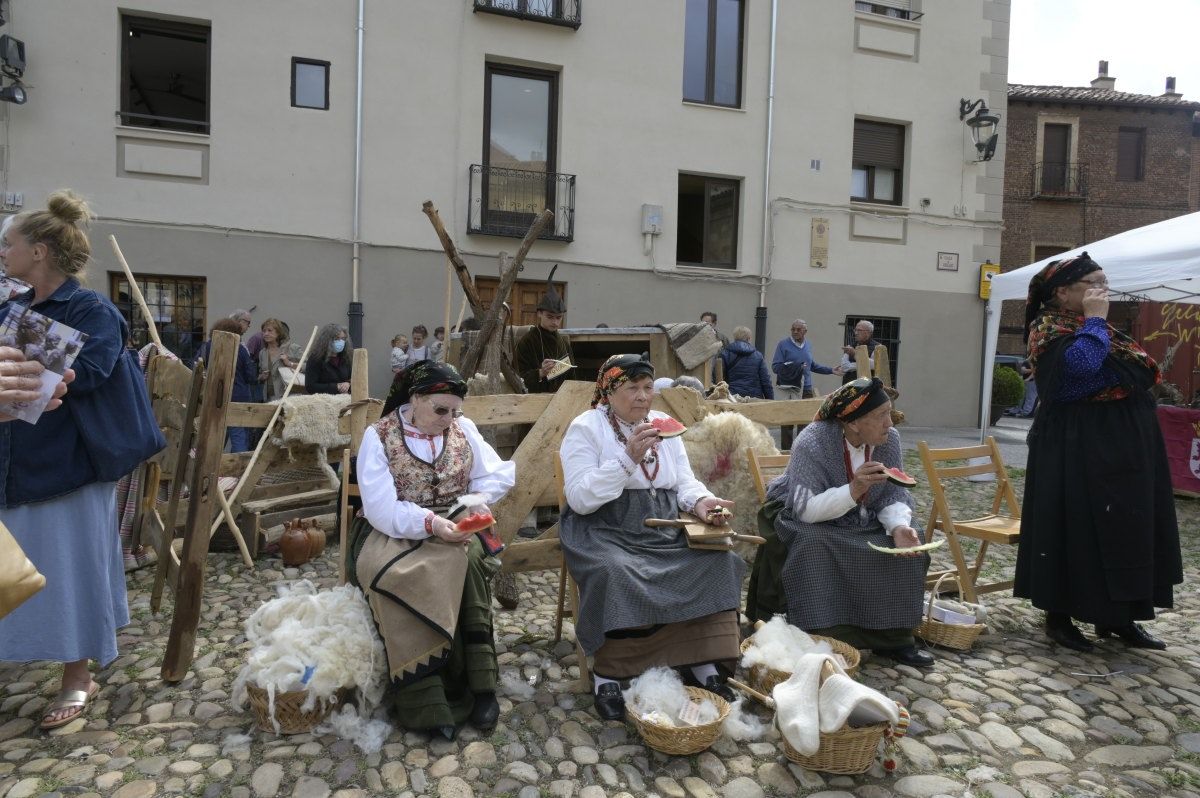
{"x": 486, "y": 711}
{"x": 1068, "y": 636}
{"x": 1133, "y": 635}
{"x": 610, "y": 703}
{"x": 716, "y": 685}
{"x": 908, "y": 655}
{"x": 449, "y": 732}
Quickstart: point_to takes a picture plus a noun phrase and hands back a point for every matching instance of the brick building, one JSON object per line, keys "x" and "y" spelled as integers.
{"x": 1085, "y": 163}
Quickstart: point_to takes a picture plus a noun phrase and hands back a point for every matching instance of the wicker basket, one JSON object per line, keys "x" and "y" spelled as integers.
{"x": 764, "y": 679}
{"x": 682, "y": 740}
{"x": 291, "y": 719}
{"x": 951, "y": 635}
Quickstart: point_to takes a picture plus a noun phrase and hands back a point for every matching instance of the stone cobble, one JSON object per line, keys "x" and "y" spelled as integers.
{"x": 1016, "y": 717}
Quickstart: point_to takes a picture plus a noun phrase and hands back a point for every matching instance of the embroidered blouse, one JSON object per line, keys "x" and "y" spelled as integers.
{"x": 597, "y": 470}
{"x": 489, "y": 475}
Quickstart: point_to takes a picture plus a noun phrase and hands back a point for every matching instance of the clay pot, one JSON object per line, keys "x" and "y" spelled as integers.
{"x": 316, "y": 537}
{"x": 295, "y": 545}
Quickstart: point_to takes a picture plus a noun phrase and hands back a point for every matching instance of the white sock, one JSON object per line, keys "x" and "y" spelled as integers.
{"x": 600, "y": 681}
{"x": 702, "y": 672}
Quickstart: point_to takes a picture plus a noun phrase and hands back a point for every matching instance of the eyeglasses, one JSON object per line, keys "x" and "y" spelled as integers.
{"x": 442, "y": 410}
{"x": 1095, "y": 283}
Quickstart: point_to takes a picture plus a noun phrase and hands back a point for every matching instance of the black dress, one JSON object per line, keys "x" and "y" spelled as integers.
{"x": 1099, "y": 539}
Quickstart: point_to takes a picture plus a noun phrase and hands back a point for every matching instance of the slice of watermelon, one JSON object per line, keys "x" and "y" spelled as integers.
{"x": 898, "y": 477}
{"x": 667, "y": 427}
{"x": 475, "y": 522}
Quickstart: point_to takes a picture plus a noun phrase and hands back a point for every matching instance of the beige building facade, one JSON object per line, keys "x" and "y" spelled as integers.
{"x": 217, "y": 141}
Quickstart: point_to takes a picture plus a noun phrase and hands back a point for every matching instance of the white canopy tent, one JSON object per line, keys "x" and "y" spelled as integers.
{"x": 1158, "y": 262}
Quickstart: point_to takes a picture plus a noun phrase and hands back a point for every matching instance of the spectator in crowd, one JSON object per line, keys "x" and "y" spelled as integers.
{"x": 244, "y": 376}
{"x": 279, "y": 351}
{"x": 253, "y": 345}
{"x": 418, "y": 350}
{"x": 437, "y": 347}
{"x": 328, "y": 368}
{"x": 399, "y": 353}
{"x": 745, "y": 369}
{"x": 52, "y": 498}
{"x": 862, "y": 337}
{"x": 793, "y": 365}
{"x": 1026, "y": 408}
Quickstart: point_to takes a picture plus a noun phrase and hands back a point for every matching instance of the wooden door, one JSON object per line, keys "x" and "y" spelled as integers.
{"x": 524, "y": 298}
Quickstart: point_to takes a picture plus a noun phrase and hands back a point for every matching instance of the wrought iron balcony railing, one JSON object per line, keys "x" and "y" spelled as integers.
{"x": 1054, "y": 180}
{"x": 554, "y": 12}
{"x": 896, "y": 9}
{"x": 505, "y": 202}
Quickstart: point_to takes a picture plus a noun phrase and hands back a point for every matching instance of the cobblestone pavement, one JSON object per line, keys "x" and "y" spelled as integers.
{"x": 1016, "y": 716}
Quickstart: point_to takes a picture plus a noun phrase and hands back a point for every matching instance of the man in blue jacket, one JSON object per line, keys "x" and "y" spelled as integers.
{"x": 793, "y": 365}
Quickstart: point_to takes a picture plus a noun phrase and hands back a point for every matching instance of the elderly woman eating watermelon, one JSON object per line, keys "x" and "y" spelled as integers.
{"x": 646, "y": 599}
{"x": 840, "y": 502}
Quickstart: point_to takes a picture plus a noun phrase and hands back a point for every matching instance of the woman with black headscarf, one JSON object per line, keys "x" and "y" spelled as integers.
{"x": 831, "y": 504}
{"x": 645, "y": 598}
{"x": 1099, "y": 541}
{"x": 426, "y": 582}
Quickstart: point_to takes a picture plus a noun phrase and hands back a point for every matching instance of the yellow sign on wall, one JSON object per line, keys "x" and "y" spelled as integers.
{"x": 987, "y": 271}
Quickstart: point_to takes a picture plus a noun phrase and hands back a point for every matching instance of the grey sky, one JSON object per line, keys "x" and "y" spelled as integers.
{"x": 1060, "y": 42}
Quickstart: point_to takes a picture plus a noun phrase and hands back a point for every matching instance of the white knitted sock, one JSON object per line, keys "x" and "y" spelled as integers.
{"x": 702, "y": 672}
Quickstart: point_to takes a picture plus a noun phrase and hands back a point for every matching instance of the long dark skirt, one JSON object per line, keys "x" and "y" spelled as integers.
{"x": 1099, "y": 540}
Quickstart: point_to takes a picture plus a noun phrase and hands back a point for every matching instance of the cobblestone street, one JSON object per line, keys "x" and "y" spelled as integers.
{"x": 1016, "y": 716}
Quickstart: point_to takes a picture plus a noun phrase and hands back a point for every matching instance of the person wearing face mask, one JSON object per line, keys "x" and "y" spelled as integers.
{"x": 645, "y": 598}
{"x": 328, "y": 366}
{"x": 428, "y": 583}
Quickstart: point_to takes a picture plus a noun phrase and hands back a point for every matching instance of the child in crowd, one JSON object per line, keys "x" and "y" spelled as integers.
{"x": 399, "y": 353}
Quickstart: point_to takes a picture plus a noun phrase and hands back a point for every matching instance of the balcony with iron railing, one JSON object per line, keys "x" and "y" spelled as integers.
{"x": 566, "y": 13}
{"x": 505, "y": 202}
{"x": 1055, "y": 180}
{"x": 896, "y": 9}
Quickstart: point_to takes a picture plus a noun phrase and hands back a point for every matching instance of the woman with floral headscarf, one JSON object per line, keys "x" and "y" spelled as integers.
{"x": 1099, "y": 540}
{"x": 645, "y": 598}
{"x": 427, "y": 582}
{"x": 831, "y": 503}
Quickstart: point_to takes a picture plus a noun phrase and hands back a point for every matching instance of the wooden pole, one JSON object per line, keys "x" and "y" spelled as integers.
{"x": 458, "y": 324}
{"x": 210, "y": 441}
{"x": 287, "y": 391}
{"x": 137, "y": 294}
{"x": 456, "y": 261}
{"x": 449, "y": 297}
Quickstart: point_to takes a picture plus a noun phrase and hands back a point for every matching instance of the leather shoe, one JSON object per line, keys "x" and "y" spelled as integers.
{"x": 717, "y": 686}
{"x": 1068, "y": 636}
{"x": 908, "y": 655}
{"x": 610, "y": 704}
{"x": 486, "y": 711}
{"x": 449, "y": 732}
{"x": 1133, "y": 635}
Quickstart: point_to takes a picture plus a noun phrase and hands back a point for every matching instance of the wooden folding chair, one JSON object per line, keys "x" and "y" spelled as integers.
{"x": 568, "y": 590}
{"x": 764, "y": 468}
{"x": 995, "y": 527}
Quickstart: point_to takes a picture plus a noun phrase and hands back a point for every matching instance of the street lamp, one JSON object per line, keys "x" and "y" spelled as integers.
{"x": 983, "y": 126}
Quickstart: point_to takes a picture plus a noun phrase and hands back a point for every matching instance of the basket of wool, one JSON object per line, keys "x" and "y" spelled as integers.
{"x": 716, "y": 448}
{"x": 655, "y": 703}
{"x": 310, "y": 651}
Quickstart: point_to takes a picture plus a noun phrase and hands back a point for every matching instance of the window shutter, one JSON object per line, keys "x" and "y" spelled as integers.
{"x": 1129, "y": 153}
{"x": 878, "y": 144}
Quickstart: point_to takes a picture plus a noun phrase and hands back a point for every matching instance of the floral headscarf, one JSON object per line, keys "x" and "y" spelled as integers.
{"x": 853, "y": 400}
{"x": 617, "y": 370}
{"x": 1056, "y": 274}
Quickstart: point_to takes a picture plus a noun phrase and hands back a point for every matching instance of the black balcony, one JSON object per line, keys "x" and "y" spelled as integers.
{"x": 505, "y": 202}
{"x": 1052, "y": 180}
{"x": 566, "y": 13}
{"x": 898, "y": 10}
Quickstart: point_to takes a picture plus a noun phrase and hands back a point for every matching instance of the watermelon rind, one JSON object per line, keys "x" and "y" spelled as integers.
{"x": 473, "y": 524}
{"x": 910, "y": 550}
{"x": 896, "y": 479}
{"x": 673, "y": 429}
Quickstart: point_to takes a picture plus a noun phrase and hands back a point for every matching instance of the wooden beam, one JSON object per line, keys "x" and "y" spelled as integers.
{"x": 532, "y": 555}
{"x": 359, "y": 391}
{"x": 774, "y": 413}
{"x": 209, "y": 441}
{"x": 460, "y": 267}
{"x": 535, "y": 457}
{"x": 137, "y": 294}
{"x": 250, "y": 414}
{"x": 862, "y": 360}
{"x": 506, "y": 408}
{"x": 883, "y": 365}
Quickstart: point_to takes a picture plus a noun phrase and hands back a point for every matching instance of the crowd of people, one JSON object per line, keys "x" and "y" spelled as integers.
{"x": 646, "y": 598}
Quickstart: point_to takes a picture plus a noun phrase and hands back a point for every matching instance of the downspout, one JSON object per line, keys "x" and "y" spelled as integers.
{"x": 355, "y": 312}
{"x": 760, "y": 313}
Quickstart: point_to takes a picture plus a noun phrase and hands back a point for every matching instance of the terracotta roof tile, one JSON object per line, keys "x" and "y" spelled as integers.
{"x": 1085, "y": 95}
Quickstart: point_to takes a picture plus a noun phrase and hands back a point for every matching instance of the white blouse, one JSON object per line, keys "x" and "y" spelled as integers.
{"x": 596, "y": 468}
{"x": 836, "y": 502}
{"x": 490, "y": 476}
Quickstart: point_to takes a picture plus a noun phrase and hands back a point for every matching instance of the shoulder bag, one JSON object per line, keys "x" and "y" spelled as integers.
{"x": 19, "y": 578}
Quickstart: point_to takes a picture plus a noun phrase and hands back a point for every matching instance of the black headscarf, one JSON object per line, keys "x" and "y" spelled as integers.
{"x": 424, "y": 377}
{"x": 1056, "y": 274}
{"x": 853, "y": 400}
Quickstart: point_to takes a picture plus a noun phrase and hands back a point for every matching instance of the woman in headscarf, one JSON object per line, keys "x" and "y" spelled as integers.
{"x": 646, "y": 599}
{"x": 1099, "y": 541}
{"x": 834, "y": 500}
{"x": 426, "y": 582}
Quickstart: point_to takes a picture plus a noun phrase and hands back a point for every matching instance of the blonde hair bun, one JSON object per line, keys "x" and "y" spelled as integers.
{"x": 69, "y": 206}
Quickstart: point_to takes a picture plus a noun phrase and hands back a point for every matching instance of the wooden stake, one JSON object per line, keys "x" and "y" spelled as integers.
{"x": 137, "y": 293}
{"x": 458, "y": 324}
{"x": 460, "y": 268}
{"x": 449, "y": 297}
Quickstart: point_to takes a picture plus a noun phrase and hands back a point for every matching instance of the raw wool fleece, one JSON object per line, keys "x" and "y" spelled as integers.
{"x": 716, "y": 448}
{"x": 312, "y": 420}
{"x": 780, "y": 645}
{"x": 332, "y": 632}
{"x": 658, "y": 695}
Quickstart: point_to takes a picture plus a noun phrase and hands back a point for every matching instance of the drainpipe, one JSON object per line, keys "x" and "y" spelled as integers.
{"x": 760, "y": 312}
{"x": 355, "y": 312}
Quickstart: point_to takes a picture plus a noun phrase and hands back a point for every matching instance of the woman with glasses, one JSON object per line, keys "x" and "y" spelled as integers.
{"x": 1099, "y": 541}
{"x": 645, "y": 598}
{"x": 427, "y": 583}
{"x": 833, "y": 501}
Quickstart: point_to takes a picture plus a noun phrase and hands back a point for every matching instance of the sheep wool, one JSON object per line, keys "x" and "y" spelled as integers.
{"x": 658, "y": 696}
{"x": 780, "y": 645}
{"x": 319, "y": 641}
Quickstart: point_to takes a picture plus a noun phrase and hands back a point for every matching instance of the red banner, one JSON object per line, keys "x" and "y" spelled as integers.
{"x": 1181, "y": 431}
